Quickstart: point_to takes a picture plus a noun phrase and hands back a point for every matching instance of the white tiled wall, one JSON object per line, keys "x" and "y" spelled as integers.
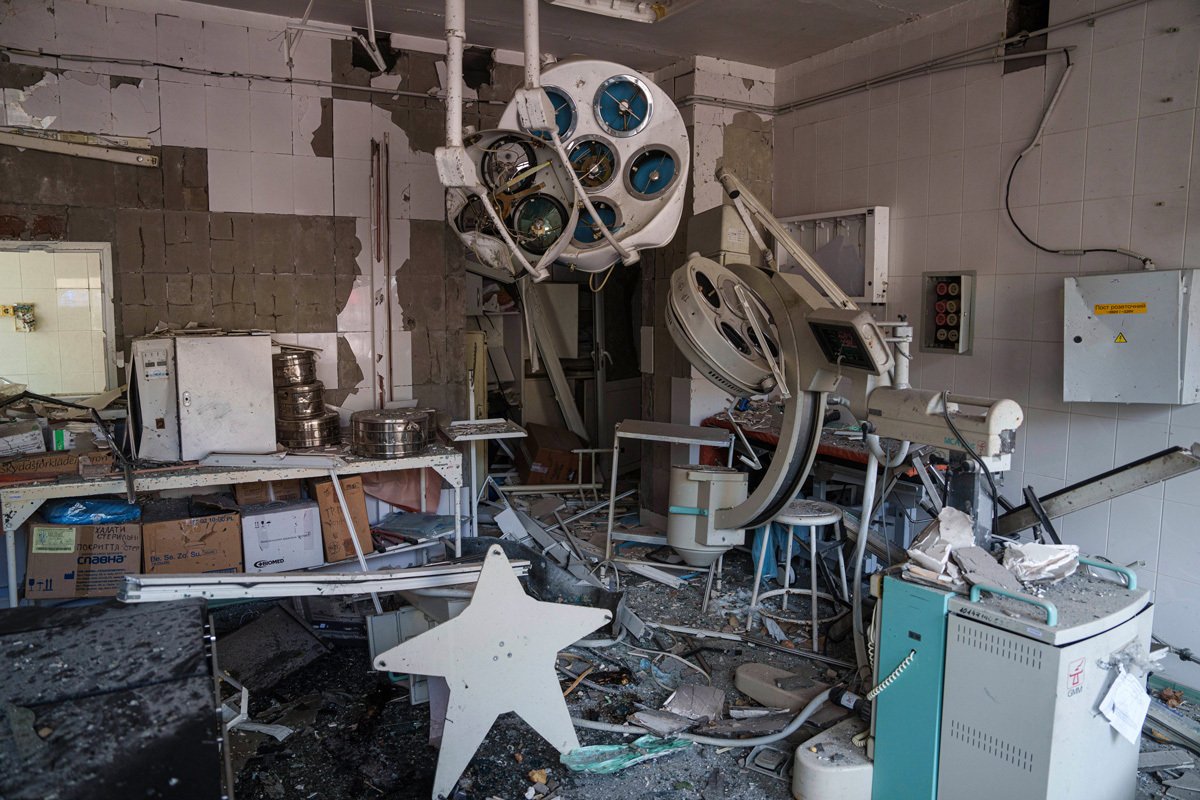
{"x": 258, "y": 133}
{"x": 64, "y": 354}
{"x": 1119, "y": 167}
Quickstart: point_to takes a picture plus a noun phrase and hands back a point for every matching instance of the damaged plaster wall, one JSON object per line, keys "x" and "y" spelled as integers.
{"x": 1118, "y": 166}
{"x": 260, "y": 213}
{"x": 742, "y": 141}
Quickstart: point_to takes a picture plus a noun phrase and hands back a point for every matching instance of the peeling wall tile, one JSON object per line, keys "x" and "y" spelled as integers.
{"x": 383, "y": 124}
{"x": 327, "y": 359}
{"x": 86, "y": 102}
{"x": 355, "y": 315}
{"x": 351, "y": 129}
{"x": 135, "y": 108}
{"x": 35, "y": 107}
{"x": 306, "y": 119}
{"x": 229, "y": 249}
{"x": 354, "y": 360}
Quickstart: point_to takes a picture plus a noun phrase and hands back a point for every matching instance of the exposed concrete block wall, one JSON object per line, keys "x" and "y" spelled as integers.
{"x": 1119, "y": 166}
{"x": 260, "y": 214}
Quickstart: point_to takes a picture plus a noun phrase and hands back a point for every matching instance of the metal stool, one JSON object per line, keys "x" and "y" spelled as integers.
{"x": 811, "y": 514}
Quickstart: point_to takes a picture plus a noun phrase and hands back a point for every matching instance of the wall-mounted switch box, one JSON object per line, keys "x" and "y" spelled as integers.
{"x": 948, "y": 312}
{"x": 1132, "y": 337}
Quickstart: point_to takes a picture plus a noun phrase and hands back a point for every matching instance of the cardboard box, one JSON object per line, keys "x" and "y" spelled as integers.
{"x": 97, "y": 463}
{"x": 68, "y": 561}
{"x": 179, "y": 536}
{"x": 278, "y": 537}
{"x": 20, "y": 438}
{"x": 73, "y": 435}
{"x": 41, "y": 465}
{"x": 257, "y": 494}
{"x": 334, "y": 533}
{"x": 545, "y": 456}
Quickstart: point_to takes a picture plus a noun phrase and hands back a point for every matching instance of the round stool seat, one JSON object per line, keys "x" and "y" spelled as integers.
{"x": 809, "y": 513}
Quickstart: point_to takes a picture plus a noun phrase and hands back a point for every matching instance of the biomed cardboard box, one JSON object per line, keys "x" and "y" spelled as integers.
{"x": 278, "y": 537}
{"x": 334, "y": 532}
{"x": 184, "y": 537}
{"x": 81, "y": 560}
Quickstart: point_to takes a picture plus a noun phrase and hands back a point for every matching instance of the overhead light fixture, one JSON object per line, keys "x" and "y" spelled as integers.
{"x": 295, "y": 30}
{"x": 633, "y": 10}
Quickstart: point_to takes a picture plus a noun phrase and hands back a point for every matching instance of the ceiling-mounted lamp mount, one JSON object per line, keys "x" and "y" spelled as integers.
{"x": 631, "y": 10}
{"x": 295, "y": 30}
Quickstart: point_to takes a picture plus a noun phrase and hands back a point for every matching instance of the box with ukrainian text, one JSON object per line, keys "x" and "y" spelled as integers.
{"x": 67, "y": 561}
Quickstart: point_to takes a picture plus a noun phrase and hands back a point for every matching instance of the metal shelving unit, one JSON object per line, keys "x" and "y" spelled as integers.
{"x": 18, "y": 502}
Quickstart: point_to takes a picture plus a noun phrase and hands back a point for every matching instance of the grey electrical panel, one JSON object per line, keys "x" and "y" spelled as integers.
{"x": 1132, "y": 338}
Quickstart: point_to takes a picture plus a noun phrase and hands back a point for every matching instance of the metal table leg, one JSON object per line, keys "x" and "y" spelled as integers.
{"x": 458, "y": 522}
{"x": 10, "y": 551}
{"x": 474, "y": 494}
{"x": 762, "y": 557}
{"x": 812, "y": 581}
{"x": 787, "y": 569}
{"x": 712, "y": 571}
{"x": 612, "y": 499}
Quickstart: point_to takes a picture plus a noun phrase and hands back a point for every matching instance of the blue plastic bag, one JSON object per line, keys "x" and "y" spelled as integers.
{"x": 90, "y": 511}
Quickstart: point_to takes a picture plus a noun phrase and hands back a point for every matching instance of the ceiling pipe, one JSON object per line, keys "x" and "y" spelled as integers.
{"x": 533, "y": 65}
{"x": 456, "y": 36}
{"x": 541, "y": 117}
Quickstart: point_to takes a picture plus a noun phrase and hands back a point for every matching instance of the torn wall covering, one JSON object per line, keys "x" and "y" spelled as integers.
{"x": 260, "y": 214}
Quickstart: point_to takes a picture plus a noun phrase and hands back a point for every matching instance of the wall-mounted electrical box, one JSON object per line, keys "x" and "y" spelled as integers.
{"x": 1132, "y": 337}
{"x": 948, "y": 312}
{"x": 852, "y": 246}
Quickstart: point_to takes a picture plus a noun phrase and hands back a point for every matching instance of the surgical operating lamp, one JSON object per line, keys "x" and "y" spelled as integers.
{"x": 752, "y": 331}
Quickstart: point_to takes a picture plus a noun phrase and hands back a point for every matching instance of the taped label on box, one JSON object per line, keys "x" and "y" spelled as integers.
{"x": 53, "y": 540}
{"x": 1101, "y": 309}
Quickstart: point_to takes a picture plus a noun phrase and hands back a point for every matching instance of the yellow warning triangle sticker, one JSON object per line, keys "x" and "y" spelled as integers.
{"x": 1120, "y": 338}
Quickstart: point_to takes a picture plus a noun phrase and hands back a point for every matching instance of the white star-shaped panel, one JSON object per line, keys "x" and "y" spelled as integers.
{"x": 497, "y": 656}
